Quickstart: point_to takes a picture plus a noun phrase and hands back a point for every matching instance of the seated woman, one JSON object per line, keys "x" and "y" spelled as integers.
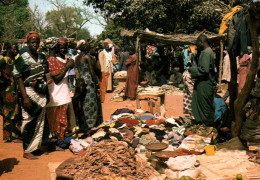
{"x": 176, "y": 77}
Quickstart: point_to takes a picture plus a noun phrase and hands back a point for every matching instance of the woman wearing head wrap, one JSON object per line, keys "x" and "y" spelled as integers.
{"x": 30, "y": 68}
{"x": 86, "y": 101}
{"x": 8, "y": 96}
{"x": 57, "y": 107}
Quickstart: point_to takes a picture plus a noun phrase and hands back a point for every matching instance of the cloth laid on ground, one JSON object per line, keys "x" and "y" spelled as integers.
{"x": 120, "y": 74}
{"x": 195, "y": 143}
{"x": 64, "y": 143}
{"x": 169, "y": 89}
{"x": 129, "y": 122}
{"x": 123, "y": 110}
{"x": 182, "y": 166}
{"x": 251, "y": 127}
{"x": 107, "y": 158}
{"x": 202, "y": 130}
{"x": 232, "y": 144}
{"x": 225, "y": 164}
{"x": 146, "y": 116}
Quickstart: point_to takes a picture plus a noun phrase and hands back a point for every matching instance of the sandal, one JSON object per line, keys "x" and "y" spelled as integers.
{"x": 29, "y": 156}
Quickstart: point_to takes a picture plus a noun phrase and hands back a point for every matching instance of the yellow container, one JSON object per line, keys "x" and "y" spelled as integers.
{"x": 210, "y": 150}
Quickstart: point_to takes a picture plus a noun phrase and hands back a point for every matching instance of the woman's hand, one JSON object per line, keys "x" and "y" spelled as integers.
{"x": 70, "y": 63}
{"x": 27, "y": 103}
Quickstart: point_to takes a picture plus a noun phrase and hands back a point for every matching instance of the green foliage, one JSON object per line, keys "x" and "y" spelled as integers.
{"x": 112, "y": 31}
{"x": 164, "y": 16}
{"x": 67, "y": 21}
{"x": 82, "y": 34}
{"x": 14, "y": 21}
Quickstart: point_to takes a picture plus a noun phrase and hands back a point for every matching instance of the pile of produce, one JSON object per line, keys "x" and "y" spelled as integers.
{"x": 109, "y": 158}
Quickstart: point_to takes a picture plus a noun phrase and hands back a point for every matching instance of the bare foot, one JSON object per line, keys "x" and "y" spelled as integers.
{"x": 225, "y": 129}
{"x": 29, "y": 156}
{"x": 17, "y": 141}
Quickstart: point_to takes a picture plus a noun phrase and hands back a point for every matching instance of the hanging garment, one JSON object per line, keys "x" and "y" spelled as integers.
{"x": 227, "y": 18}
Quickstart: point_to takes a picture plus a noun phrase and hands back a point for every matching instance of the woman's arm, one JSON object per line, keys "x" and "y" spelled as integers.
{"x": 26, "y": 100}
{"x": 91, "y": 69}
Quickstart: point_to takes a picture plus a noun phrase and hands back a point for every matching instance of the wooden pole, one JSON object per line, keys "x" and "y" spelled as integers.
{"x": 138, "y": 49}
{"x": 220, "y": 65}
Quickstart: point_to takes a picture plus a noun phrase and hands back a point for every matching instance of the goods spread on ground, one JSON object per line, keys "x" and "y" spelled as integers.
{"x": 135, "y": 144}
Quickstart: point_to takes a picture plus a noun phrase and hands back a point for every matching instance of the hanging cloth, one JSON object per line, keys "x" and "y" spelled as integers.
{"x": 227, "y": 18}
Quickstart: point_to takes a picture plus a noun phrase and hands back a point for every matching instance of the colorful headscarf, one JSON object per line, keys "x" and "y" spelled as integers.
{"x": 80, "y": 42}
{"x": 63, "y": 41}
{"x": 30, "y": 35}
{"x": 51, "y": 42}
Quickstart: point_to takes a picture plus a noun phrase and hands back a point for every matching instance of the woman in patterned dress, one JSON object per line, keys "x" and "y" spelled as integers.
{"x": 187, "y": 91}
{"x": 86, "y": 101}
{"x": 30, "y": 68}
{"x": 9, "y": 96}
{"x": 59, "y": 92}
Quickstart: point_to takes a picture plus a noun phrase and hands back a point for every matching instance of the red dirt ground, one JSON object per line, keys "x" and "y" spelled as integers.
{"x": 14, "y": 167}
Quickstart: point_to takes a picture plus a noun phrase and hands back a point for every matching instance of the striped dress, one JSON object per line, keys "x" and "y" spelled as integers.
{"x": 34, "y": 127}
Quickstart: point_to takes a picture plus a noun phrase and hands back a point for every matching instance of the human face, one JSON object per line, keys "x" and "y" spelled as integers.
{"x": 176, "y": 69}
{"x": 33, "y": 44}
{"x": 63, "y": 49}
{"x": 199, "y": 45}
{"x": 13, "y": 50}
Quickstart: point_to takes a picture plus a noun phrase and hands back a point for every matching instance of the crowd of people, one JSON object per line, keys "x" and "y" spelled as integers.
{"x": 50, "y": 91}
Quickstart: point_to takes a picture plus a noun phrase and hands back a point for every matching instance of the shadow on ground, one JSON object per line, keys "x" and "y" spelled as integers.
{"x": 7, "y": 165}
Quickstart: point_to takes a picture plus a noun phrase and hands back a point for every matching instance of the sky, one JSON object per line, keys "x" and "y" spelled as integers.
{"x": 45, "y": 6}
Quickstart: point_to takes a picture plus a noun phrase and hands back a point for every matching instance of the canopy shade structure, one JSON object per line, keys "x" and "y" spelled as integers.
{"x": 156, "y": 39}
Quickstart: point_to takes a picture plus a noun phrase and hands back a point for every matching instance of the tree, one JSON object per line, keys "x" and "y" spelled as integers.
{"x": 83, "y": 33}
{"x": 112, "y": 31}
{"x": 66, "y": 20}
{"x": 163, "y": 16}
{"x": 38, "y": 20}
{"x": 15, "y": 19}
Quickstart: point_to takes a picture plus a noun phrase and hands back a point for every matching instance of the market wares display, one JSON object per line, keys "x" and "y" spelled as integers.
{"x": 109, "y": 158}
{"x": 162, "y": 143}
{"x": 156, "y": 146}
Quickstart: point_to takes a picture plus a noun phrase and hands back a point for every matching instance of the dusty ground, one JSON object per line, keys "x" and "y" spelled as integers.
{"x": 14, "y": 167}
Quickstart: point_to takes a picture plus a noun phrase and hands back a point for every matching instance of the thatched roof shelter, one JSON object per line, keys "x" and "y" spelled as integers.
{"x": 149, "y": 37}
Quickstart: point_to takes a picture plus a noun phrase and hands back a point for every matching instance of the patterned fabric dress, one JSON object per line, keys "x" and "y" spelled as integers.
{"x": 187, "y": 91}
{"x": 9, "y": 100}
{"x": 34, "y": 126}
{"x": 90, "y": 116}
{"x": 59, "y": 98}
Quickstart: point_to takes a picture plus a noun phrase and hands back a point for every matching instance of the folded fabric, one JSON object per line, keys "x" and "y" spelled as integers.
{"x": 76, "y": 146}
{"x": 123, "y": 110}
{"x": 65, "y": 144}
